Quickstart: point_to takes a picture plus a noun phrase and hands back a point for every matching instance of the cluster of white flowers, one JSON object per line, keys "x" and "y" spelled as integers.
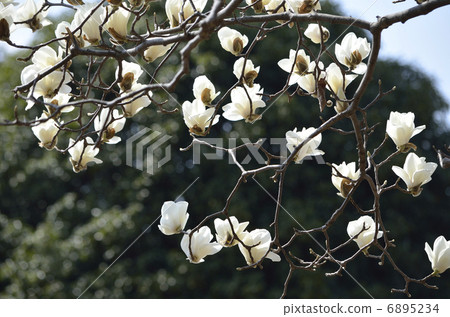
{"x": 307, "y": 73}
{"x": 254, "y": 245}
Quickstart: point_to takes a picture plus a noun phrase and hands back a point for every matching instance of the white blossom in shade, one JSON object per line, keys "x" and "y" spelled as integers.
{"x": 29, "y": 11}
{"x": 232, "y": 41}
{"x": 117, "y": 24}
{"x": 174, "y": 7}
{"x": 130, "y": 75}
{"x": 338, "y": 82}
{"x": 61, "y": 31}
{"x": 46, "y": 132}
{"x": 134, "y": 105}
{"x": 174, "y": 216}
{"x": 59, "y": 100}
{"x": 81, "y": 153}
{"x": 440, "y": 255}
{"x": 297, "y": 65}
{"x": 90, "y": 31}
{"x": 362, "y": 231}
{"x": 313, "y": 33}
{"x": 308, "y": 82}
{"x": 272, "y": 5}
{"x": 197, "y": 117}
{"x": 156, "y": 51}
{"x": 199, "y": 245}
{"x": 415, "y": 173}
{"x": 110, "y": 123}
{"x": 352, "y": 51}
{"x": 304, "y": 6}
{"x": 344, "y": 185}
{"x": 224, "y": 233}
{"x": 258, "y": 241}
{"x": 250, "y": 71}
{"x": 204, "y": 90}
{"x": 310, "y": 148}
{"x": 6, "y": 21}
{"x": 47, "y": 56}
{"x": 400, "y": 127}
{"x": 243, "y": 106}
{"x": 46, "y": 87}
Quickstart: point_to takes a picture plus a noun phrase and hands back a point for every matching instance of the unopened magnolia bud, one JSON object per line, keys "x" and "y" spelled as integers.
{"x": 325, "y": 35}
{"x": 4, "y": 30}
{"x": 257, "y": 6}
{"x": 127, "y": 81}
{"x": 206, "y": 96}
{"x": 238, "y": 46}
{"x": 405, "y": 148}
{"x": 306, "y": 6}
{"x": 346, "y": 187}
{"x": 249, "y": 77}
{"x": 301, "y": 64}
{"x": 354, "y": 60}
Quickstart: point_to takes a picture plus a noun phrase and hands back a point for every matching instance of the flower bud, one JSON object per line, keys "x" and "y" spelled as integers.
{"x": 127, "y": 81}
{"x": 206, "y": 96}
{"x": 249, "y": 77}
{"x": 238, "y": 46}
{"x": 4, "y": 30}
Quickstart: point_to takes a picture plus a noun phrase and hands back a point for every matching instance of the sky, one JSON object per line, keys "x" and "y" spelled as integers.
{"x": 423, "y": 42}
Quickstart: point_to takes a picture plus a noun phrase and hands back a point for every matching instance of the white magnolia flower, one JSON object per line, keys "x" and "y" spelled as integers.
{"x": 82, "y": 153}
{"x": 60, "y": 99}
{"x": 156, "y": 51}
{"x": 174, "y": 7}
{"x": 400, "y": 127}
{"x": 47, "y": 87}
{"x": 352, "y": 51}
{"x": 174, "y": 216}
{"x": 272, "y": 5}
{"x": 90, "y": 31}
{"x": 298, "y": 64}
{"x": 308, "y": 82}
{"x": 241, "y": 107}
{"x": 117, "y": 24}
{"x": 46, "y": 132}
{"x": 310, "y": 148}
{"x": 363, "y": 231}
{"x": 344, "y": 185}
{"x": 313, "y": 33}
{"x": 134, "y": 104}
{"x": 232, "y": 41}
{"x": 28, "y": 11}
{"x": 7, "y": 25}
{"x": 110, "y": 123}
{"x": 199, "y": 245}
{"x": 197, "y": 118}
{"x": 46, "y": 56}
{"x": 258, "y": 241}
{"x": 61, "y": 31}
{"x": 440, "y": 255}
{"x": 415, "y": 173}
{"x": 130, "y": 75}
{"x": 204, "y": 90}
{"x": 224, "y": 233}
{"x": 304, "y": 6}
{"x": 337, "y": 82}
{"x": 250, "y": 72}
